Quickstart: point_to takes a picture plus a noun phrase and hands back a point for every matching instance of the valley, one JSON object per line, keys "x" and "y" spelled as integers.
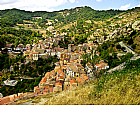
{"x": 72, "y": 56}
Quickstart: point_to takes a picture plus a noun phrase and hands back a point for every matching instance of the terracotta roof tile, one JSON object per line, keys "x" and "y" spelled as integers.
{"x": 73, "y": 81}
{"x": 58, "y": 84}
{"x": 79, "y": 80}
{"x": 44, "y": 79}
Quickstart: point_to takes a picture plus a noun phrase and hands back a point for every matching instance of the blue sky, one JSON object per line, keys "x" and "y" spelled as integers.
{"x": 54, "y": 5}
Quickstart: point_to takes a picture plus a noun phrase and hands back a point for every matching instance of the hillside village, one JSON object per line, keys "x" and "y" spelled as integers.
{"x": 68, "y": 72}
{"x": 72, "y": 68}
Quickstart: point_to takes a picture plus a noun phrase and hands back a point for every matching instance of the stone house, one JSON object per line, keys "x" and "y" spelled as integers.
{"x": 73, "y": 83}
{"x": 51, "y": 86}
{"x": 28, "y": 47}
{"x": 79, "y": 80}
{"x": 72, "y": 71}
{"x": 35, "y": 56}
{"x": 20, "y": 95}
{"x": 89, "y": 70}
{"x": 101, "y": 66}
{"x": 57, "y": 67}
{"x": 71, "y": 48}
{"x": 67, "y": 83}
{"x": 58, "y": 87}
{"x": 53, "y": 53}
{"x": 80, "y": 47}
{"x": 43, "y": 81}
{"x": 4, "y": 100}
{"x": 37, "y": 90}
{"x": 12, "y": 97}
{"x": 46, "y": 90}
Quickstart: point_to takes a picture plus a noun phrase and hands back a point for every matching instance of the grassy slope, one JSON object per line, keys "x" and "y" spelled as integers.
{"x": 122, "y": 87}
{"x": 122, "y": 90}
{"x": 137, "y": 42}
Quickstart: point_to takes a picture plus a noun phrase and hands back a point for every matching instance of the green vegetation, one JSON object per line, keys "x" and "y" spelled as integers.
{"x": 37, "y": 68}
{"x": 120, "y": 87}
{"x": 108, "y": 52}
{"x": 87, "y": 13}
{"x": 81, "y": 22}
{"x": 105, "y": 29}
{"x": 22, "y": 86}
{"x": 131, "y": 70}
{"x": 13, "y": 17}
{"x": 18, "y": 36}
{"x": 33, "y": 71}
{"x": 63, "y": 15}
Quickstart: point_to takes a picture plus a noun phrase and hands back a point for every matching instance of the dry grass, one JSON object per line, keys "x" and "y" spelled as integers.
{"x": 115, "y": 91}
{"x": 118, "y": 91}
{"x": 137, "y": 42}
{"x": 119, "y": 88}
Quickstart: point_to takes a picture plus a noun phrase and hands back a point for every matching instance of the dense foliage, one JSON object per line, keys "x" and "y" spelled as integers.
{"x": 33, "y": 71}
{"x": 22, "y": 86}
{"x": 32, "y": 68}
{"x": 11, "y": 17}
{"x": 16, "y": 37}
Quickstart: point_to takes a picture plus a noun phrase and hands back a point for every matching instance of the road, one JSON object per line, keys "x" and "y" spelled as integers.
{"x": 27, "y": 78}
{"x": 121, "y": 66}
{"x": 127, "y": 49}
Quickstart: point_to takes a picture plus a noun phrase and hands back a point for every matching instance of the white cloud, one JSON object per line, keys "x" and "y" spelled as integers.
{"x": 98, "y": 0}
{"x": 125, "y": 7}
{"x": 7, "y": 1}
{"x": 33, "y": 5}
{"x": 72, "y": 1}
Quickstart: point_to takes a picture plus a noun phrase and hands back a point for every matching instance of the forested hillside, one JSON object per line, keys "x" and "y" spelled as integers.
{"x": 80, "y": 24}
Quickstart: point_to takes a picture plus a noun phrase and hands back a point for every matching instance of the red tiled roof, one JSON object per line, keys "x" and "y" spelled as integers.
{"x": 58, "y": 84}
{"x": 44, "y": 79}
{"x": 64, "y": 67}
{"x": 4, "y": 100}
{"x": 101, "y": 65}
{"x": 35, "y": 52}
{"x": 52, "y": 73}
{"x": 84, "y": 77}
{"x": 73, "y": 81}
{"x": 47, "y": 75}
{"x": 79, "y": 80}
{"x": 60, "y": 73}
